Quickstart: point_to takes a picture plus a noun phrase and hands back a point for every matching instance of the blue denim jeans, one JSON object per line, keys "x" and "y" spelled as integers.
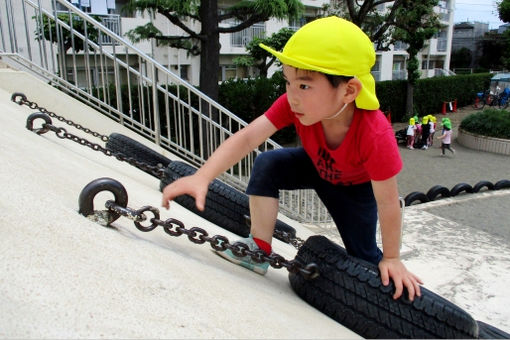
{"x": 353, "y": 208}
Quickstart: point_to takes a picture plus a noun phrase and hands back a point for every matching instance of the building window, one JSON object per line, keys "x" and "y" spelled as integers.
{"x": 427, "y": 64}
{"x": 400, "y": 46}
{"x": 227, "y": 72}
{"x": 184, "y": 72}
{"x": 296, "y": 24}
{"x": 242, "y": 38}
{"x": 399, "y": 71}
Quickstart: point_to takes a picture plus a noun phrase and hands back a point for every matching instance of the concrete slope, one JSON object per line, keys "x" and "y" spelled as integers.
{"x": 64, "y": 276}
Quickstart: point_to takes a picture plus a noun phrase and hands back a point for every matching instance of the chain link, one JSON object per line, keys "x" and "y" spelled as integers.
{"x": 296, "y": 242}
{"x": 174, "y": 227}
{"x": 21, "y": 99}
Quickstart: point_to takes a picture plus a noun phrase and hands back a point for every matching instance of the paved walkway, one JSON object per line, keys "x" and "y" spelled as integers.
{"x": 425, "y": 168}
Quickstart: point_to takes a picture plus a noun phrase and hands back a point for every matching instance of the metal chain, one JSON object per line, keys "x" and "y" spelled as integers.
{"x": 62, "y": 133}
{"x": 295, "y": 241}
{"x": 21, "y": 99}
{"x": 174, "y": 227}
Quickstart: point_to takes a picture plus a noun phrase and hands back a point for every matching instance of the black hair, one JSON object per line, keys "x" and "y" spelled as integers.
{"x": 337, "y": 80}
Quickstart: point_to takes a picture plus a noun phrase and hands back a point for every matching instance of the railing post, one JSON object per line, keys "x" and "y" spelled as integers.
{"x": 157, "y": 125}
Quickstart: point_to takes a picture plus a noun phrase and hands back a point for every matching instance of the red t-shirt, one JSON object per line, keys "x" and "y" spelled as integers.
{"x": 369, "y": 150}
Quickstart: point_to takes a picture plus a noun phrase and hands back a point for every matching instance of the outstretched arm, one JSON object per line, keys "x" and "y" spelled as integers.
{"x": 226, "y": 155}
{"x": 388, "y": 207}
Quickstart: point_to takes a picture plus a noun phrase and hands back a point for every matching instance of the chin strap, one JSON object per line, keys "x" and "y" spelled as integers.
{"x": 340, "y": 111}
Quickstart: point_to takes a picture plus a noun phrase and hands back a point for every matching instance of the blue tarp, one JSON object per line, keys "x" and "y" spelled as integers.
{"x": 501, "y": 77}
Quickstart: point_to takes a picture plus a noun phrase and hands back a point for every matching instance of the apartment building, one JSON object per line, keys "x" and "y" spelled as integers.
{"x": 434, "y": 58}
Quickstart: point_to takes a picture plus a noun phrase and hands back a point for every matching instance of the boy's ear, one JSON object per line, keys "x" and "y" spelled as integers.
{"x": 352, "y": 89}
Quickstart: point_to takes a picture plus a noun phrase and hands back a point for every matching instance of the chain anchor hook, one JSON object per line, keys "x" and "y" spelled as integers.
{"x": 21, "y": 96}
{"x": 86, "y": 199}
{"x": 45, "y": 127}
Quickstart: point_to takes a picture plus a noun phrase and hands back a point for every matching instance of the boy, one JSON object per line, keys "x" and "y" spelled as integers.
{"x": 349, "y": 154}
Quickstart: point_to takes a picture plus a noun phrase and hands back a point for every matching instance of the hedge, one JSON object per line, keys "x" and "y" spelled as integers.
{"x": 249, "y": 98}
{"x": 490, "y": 122}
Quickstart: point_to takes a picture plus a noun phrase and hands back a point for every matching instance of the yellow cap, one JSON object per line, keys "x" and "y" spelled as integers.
{"x": 425, "y": 120}
{"x": 333, "y": 46}
{"x": 411, "y": 121}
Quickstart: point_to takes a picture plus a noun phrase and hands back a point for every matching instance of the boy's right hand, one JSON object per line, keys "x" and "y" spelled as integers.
{"x": 193, "y": 185}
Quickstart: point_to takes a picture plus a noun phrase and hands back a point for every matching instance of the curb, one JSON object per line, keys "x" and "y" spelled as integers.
{"x": 483, "y": 143}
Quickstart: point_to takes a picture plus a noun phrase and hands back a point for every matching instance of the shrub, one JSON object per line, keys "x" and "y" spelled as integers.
{"x": 490, "y": 122}
{"x": 249, "y": 98}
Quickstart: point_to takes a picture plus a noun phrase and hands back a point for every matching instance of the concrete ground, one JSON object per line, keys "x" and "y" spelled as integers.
{"x": 425, "y": 168}
{"x": 64, "y": 276}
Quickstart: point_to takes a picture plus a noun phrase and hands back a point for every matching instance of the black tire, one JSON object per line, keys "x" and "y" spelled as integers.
{"x": 483, "y": 184}
{"x": 350, "y": 291}
{"x": 437, "y": 191}
{"x": 415, "y": 196}
{"x": 486, "y": 331}
{"x": 128, "y": 147}
{"x": 224, "y": 206}
{"x": 458, "y": 188}
{"x": 502, "y": 184}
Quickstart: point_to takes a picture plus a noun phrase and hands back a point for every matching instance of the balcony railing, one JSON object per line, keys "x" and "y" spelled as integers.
{"x": 110, "y": 21}
{"x": 244, "y": 37}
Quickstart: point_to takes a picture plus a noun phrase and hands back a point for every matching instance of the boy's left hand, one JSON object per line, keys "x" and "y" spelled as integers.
{"x": 394, "y": 268}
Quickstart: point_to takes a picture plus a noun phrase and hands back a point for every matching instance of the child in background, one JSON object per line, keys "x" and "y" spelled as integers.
{"x": 425, "y": 132}
{"x": 411, "y": 132}
{"x": 432, "y": 123}
{"x": 417, "y": 136}
{"x": 446, "y": 137}
{"x": 349, "y": 154}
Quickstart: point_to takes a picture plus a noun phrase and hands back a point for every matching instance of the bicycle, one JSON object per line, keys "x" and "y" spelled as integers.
{"x": 484, "y": 98}
{"x": 503, "y": 99}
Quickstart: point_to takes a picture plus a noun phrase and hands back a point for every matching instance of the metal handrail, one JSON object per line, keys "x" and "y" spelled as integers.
{"x": 122, "y": 82}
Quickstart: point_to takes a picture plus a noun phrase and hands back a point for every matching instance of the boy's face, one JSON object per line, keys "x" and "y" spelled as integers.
{"x": 311, "y": 96}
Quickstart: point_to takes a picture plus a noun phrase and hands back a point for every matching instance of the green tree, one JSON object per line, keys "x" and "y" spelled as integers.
{"x": 504, "y": 15}
{"x": 47, "y": 30}
{"x": 205, "y": 40}
{"x": 415, "y": 23}
{"x": 461, "y": 58}
{"x": 260, "y": 58}
{"x": 493, "y": 51}
{"x": 504, "y": 10}
{"x": 377, "y": 24}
